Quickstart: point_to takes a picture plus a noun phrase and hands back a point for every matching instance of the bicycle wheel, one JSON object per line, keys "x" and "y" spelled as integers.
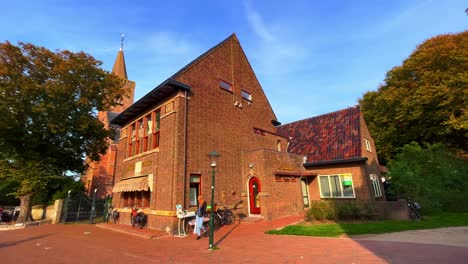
{"x": 217, "y": 220}
{"x": 230, "y": 218}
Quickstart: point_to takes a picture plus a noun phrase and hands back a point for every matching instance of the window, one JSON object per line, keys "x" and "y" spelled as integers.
{"x": 140, "y": 132}
{"x": 225, "y": 85}
{"x": 133, "y": 140}
{"x": 144, "y": 134}
{"x": 368, "y": 145}
{"x": 376, "y": 185}
{"x": 278, "y": 144}
{"x": 246, "y": 95}
{"x": 140, "y": 199}
{"x": 194, "y": 189}
{"x": 336, "y": 186}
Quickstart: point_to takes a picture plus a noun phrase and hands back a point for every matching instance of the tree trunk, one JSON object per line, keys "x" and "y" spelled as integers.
{"x": 25, "y": 205}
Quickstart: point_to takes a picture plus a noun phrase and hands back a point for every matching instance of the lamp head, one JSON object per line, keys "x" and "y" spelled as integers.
{"x": 213, "y": 156}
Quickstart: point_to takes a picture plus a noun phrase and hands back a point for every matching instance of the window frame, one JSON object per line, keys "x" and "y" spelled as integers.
{"x": 138, "y": 199}
{"x": 149, "y": 135}
{"x": 226, "y": 83}
{"x": 244, "y": 93}
{"x": 374, "y": 178}
{"x": 368, "y": 145}
{"x": 197, "y": 186}
{"x": 330, "y": 187}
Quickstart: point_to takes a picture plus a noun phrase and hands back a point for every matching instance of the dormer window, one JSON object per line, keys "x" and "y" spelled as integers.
{"x": 246, "y": 95}
{"x": 225, "y": 85}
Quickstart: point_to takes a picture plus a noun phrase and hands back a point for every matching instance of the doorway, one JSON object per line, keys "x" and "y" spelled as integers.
{"x": 254, "y": 199}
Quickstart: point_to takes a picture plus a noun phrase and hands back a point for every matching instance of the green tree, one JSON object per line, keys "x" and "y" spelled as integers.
{"x": 56, "y": 188}
{"x": 431, "y": 175}
{"x": 423, "y": 100}
{"x": 49, "y": 102}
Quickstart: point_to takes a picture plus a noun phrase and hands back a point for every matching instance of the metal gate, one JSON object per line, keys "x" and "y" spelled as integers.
{"x": 79, "y": 208}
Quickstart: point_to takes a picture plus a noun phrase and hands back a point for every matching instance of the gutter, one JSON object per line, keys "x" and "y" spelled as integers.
{"x": 332, "y": 162}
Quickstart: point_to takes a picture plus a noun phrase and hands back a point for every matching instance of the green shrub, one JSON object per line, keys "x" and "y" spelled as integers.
{"x": 369, "y": 211}
{"x": 349, "y": 211}
{"x": 320, "y": 211}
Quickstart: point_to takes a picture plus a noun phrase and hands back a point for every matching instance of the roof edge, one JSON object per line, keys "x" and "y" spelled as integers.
{"x": 331, "y": 162}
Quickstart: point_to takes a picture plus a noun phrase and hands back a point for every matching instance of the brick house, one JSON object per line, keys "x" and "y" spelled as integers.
{"x": 339, "y": 148}
{"x": 213, "y": 103}
{"x": 100, "y": 174}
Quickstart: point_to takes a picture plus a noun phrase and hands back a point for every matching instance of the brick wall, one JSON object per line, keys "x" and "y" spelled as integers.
{"x": 358, "y": 172}
{"x": 277, "y": 198}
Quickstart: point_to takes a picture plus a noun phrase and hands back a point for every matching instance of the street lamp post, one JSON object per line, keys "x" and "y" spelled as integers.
{"x": 93, "y": 208}
{"x": 213, "y": 162}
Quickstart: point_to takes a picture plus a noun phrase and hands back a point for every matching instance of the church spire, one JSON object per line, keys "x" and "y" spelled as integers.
{"x": 119, "y": 68}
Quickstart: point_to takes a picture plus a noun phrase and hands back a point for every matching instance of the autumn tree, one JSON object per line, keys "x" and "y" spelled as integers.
{"x": 49, "y": 102}
{"x": 423, "y": 100}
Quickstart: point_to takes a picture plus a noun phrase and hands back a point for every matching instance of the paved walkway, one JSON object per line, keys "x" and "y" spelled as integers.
{"x": 238, "y": 243}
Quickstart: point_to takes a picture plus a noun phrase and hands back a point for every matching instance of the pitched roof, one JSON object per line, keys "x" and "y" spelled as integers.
{"x": 119, "y": 68}
{"x": 332, "y": 136}
{"x": 164, "y": 88}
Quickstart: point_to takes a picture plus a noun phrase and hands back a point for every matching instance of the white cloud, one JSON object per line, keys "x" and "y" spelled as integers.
{"x": 275, "y": 53}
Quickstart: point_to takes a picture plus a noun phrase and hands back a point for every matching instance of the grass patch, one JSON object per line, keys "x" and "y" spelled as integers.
{"x": 375, "y": 227}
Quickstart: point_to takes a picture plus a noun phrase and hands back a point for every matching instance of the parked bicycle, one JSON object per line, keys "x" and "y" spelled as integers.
{"x": 414, "y": 208}
{"x": 112, "y": 215}
{"x": 138, "y": 218}
{"x": 223, "y": 217}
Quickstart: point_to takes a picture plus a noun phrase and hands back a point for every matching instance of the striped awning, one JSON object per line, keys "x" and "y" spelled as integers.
{"x": 132, "y": 184}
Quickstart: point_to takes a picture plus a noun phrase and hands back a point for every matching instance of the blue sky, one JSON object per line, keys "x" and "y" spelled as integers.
{"x": 311, "y": 57}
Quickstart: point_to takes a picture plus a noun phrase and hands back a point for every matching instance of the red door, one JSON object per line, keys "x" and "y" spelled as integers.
{"x": 254, "y": 190}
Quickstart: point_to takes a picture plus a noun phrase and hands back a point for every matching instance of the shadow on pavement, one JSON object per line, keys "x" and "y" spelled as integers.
{"x": 227, "y": 234}
{"x": 9, "y": 244}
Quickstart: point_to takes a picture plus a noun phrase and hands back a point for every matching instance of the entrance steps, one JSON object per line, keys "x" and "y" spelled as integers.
{"x": 252, "y": 219}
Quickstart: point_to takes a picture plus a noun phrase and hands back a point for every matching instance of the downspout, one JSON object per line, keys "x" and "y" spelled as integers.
{"x": 185, "y": 152}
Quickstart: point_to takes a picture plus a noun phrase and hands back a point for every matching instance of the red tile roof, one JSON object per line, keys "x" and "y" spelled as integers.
{"x": 332, "y": 136}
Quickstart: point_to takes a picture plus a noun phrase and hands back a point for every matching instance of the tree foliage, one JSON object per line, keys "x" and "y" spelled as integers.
{"x": 423, "y": 100}
{"x": 49, "y": 102}
{"x": 431, "y": 175}
{"x": 56, "y": 188}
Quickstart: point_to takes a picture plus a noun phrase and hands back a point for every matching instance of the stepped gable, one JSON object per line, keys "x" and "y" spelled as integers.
{"x": 332, "y": 136}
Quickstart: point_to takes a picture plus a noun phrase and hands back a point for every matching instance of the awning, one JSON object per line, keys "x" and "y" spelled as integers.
{"x": 132, "y": 184}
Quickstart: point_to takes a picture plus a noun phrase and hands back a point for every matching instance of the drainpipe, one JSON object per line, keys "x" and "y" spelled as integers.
{"x": 185, "y": 152}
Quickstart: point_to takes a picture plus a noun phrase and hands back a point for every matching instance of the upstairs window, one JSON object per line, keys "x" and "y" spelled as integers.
{"x": 225, "y": 85}
{"x": 368, "y": 145}
{"x": 246, "y": 95}
{"x": 144, "y": 134}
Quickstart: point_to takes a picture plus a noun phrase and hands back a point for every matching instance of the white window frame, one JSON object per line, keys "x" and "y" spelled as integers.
{"x": 342, "y": 175}
{"x": 368, "y": 145}
{"x": 376, "y": 185}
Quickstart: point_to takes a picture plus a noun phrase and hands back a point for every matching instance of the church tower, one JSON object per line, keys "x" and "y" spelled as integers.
{"x": 99, "y": 176}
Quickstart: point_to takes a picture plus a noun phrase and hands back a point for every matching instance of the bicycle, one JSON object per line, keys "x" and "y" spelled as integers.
{"x": 111, "y": 215}
{"x": 414, "y": 208}
{"x": 138, "y": 218}
{"x": 223, "y": 217}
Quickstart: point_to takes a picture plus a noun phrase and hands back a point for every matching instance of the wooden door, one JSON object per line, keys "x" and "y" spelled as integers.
{"x": 254, "y": 190}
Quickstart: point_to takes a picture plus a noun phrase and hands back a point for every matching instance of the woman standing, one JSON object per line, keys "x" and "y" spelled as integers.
{"x": 201, "y": 212}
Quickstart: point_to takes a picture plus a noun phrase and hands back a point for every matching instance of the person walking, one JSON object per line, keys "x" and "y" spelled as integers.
{"x": 201, "y": 212}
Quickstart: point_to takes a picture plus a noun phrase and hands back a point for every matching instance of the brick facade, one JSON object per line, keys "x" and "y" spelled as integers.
{"x": 197, "y": 116}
